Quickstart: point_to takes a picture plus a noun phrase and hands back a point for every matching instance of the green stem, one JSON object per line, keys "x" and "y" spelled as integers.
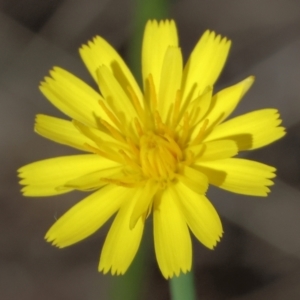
{"x": 129, "y": 286}
{"x": 183, "y": 287}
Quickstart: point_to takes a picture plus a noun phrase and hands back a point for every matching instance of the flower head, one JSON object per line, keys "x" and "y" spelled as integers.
{"x": 151, "y": 152}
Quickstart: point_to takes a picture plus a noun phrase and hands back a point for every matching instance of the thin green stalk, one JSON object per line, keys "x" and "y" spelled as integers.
{"x": 183, "y": 287}
{"x": 129, "y": 286}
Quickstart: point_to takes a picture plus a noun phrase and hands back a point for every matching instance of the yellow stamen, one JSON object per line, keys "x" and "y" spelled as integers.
{"x": 133, "y": 147}
{"x": 138, "y": 127}
{"x": 158, "y": 157}
{"x": 110, "y": 156}
{"x": 110, "y": 115}
{"x": 189, "y": 158}
{"x": 146, "y": 145}
{"x": 136, "y": 102}
{"x": 162, "y": 128}
{"x": 114, "y": 132}
{"x": 173, "y": 147}
{"x": 129, "y": 161}
{"x": 176, "y": 109}
{"x": 194, "y": 115}
{"x": 119, "y": 182}
{"x": 163, "y": 169}
{"x": 185, "y": 129}
{"x": 165, "y": 163}
{"x": 200, "y": 133}
{"x": 158, "y": 121}
{"x": 148, "y": 165}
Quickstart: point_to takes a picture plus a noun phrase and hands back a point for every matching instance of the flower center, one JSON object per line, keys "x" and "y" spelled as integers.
{"x": 159, "y": 156}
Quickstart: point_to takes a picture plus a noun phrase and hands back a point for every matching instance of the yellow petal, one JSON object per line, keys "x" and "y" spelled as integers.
{"x": 214, "y": 150}
{"x": 238, "y": 175}
{"x": 204, "y": 65}
{"x": 170, "y": 80}
{"x": 114, "y": 95}
{"x": 43, "y": 178}
{"x": 225, "y": 101}
{"x": 73, "y": 97}
{"x": 122, "y": 242}
{"x": 199, "y": 107}
{"x": 99, "y": 52}
{"x": 223, "y": 104}
{"x": 99, "y": 137}
{"x": 172, "y": 240}
{"x": 252, "y": 130}
{"x": 60, "y": 131}
{"x": 157, "y": 38}
{"x": 87, "y": 216}
{"x": 200, "y": 215}
{"x": 193, "y": 179}
{"x": 143, "y": 202}
{"x": 93, "y": 180}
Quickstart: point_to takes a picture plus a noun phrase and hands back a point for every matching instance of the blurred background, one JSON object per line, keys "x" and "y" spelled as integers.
{"x": 259, "y": 256}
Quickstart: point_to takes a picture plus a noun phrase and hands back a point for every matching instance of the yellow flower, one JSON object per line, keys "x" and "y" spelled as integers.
{"x": 151, "y": 151}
